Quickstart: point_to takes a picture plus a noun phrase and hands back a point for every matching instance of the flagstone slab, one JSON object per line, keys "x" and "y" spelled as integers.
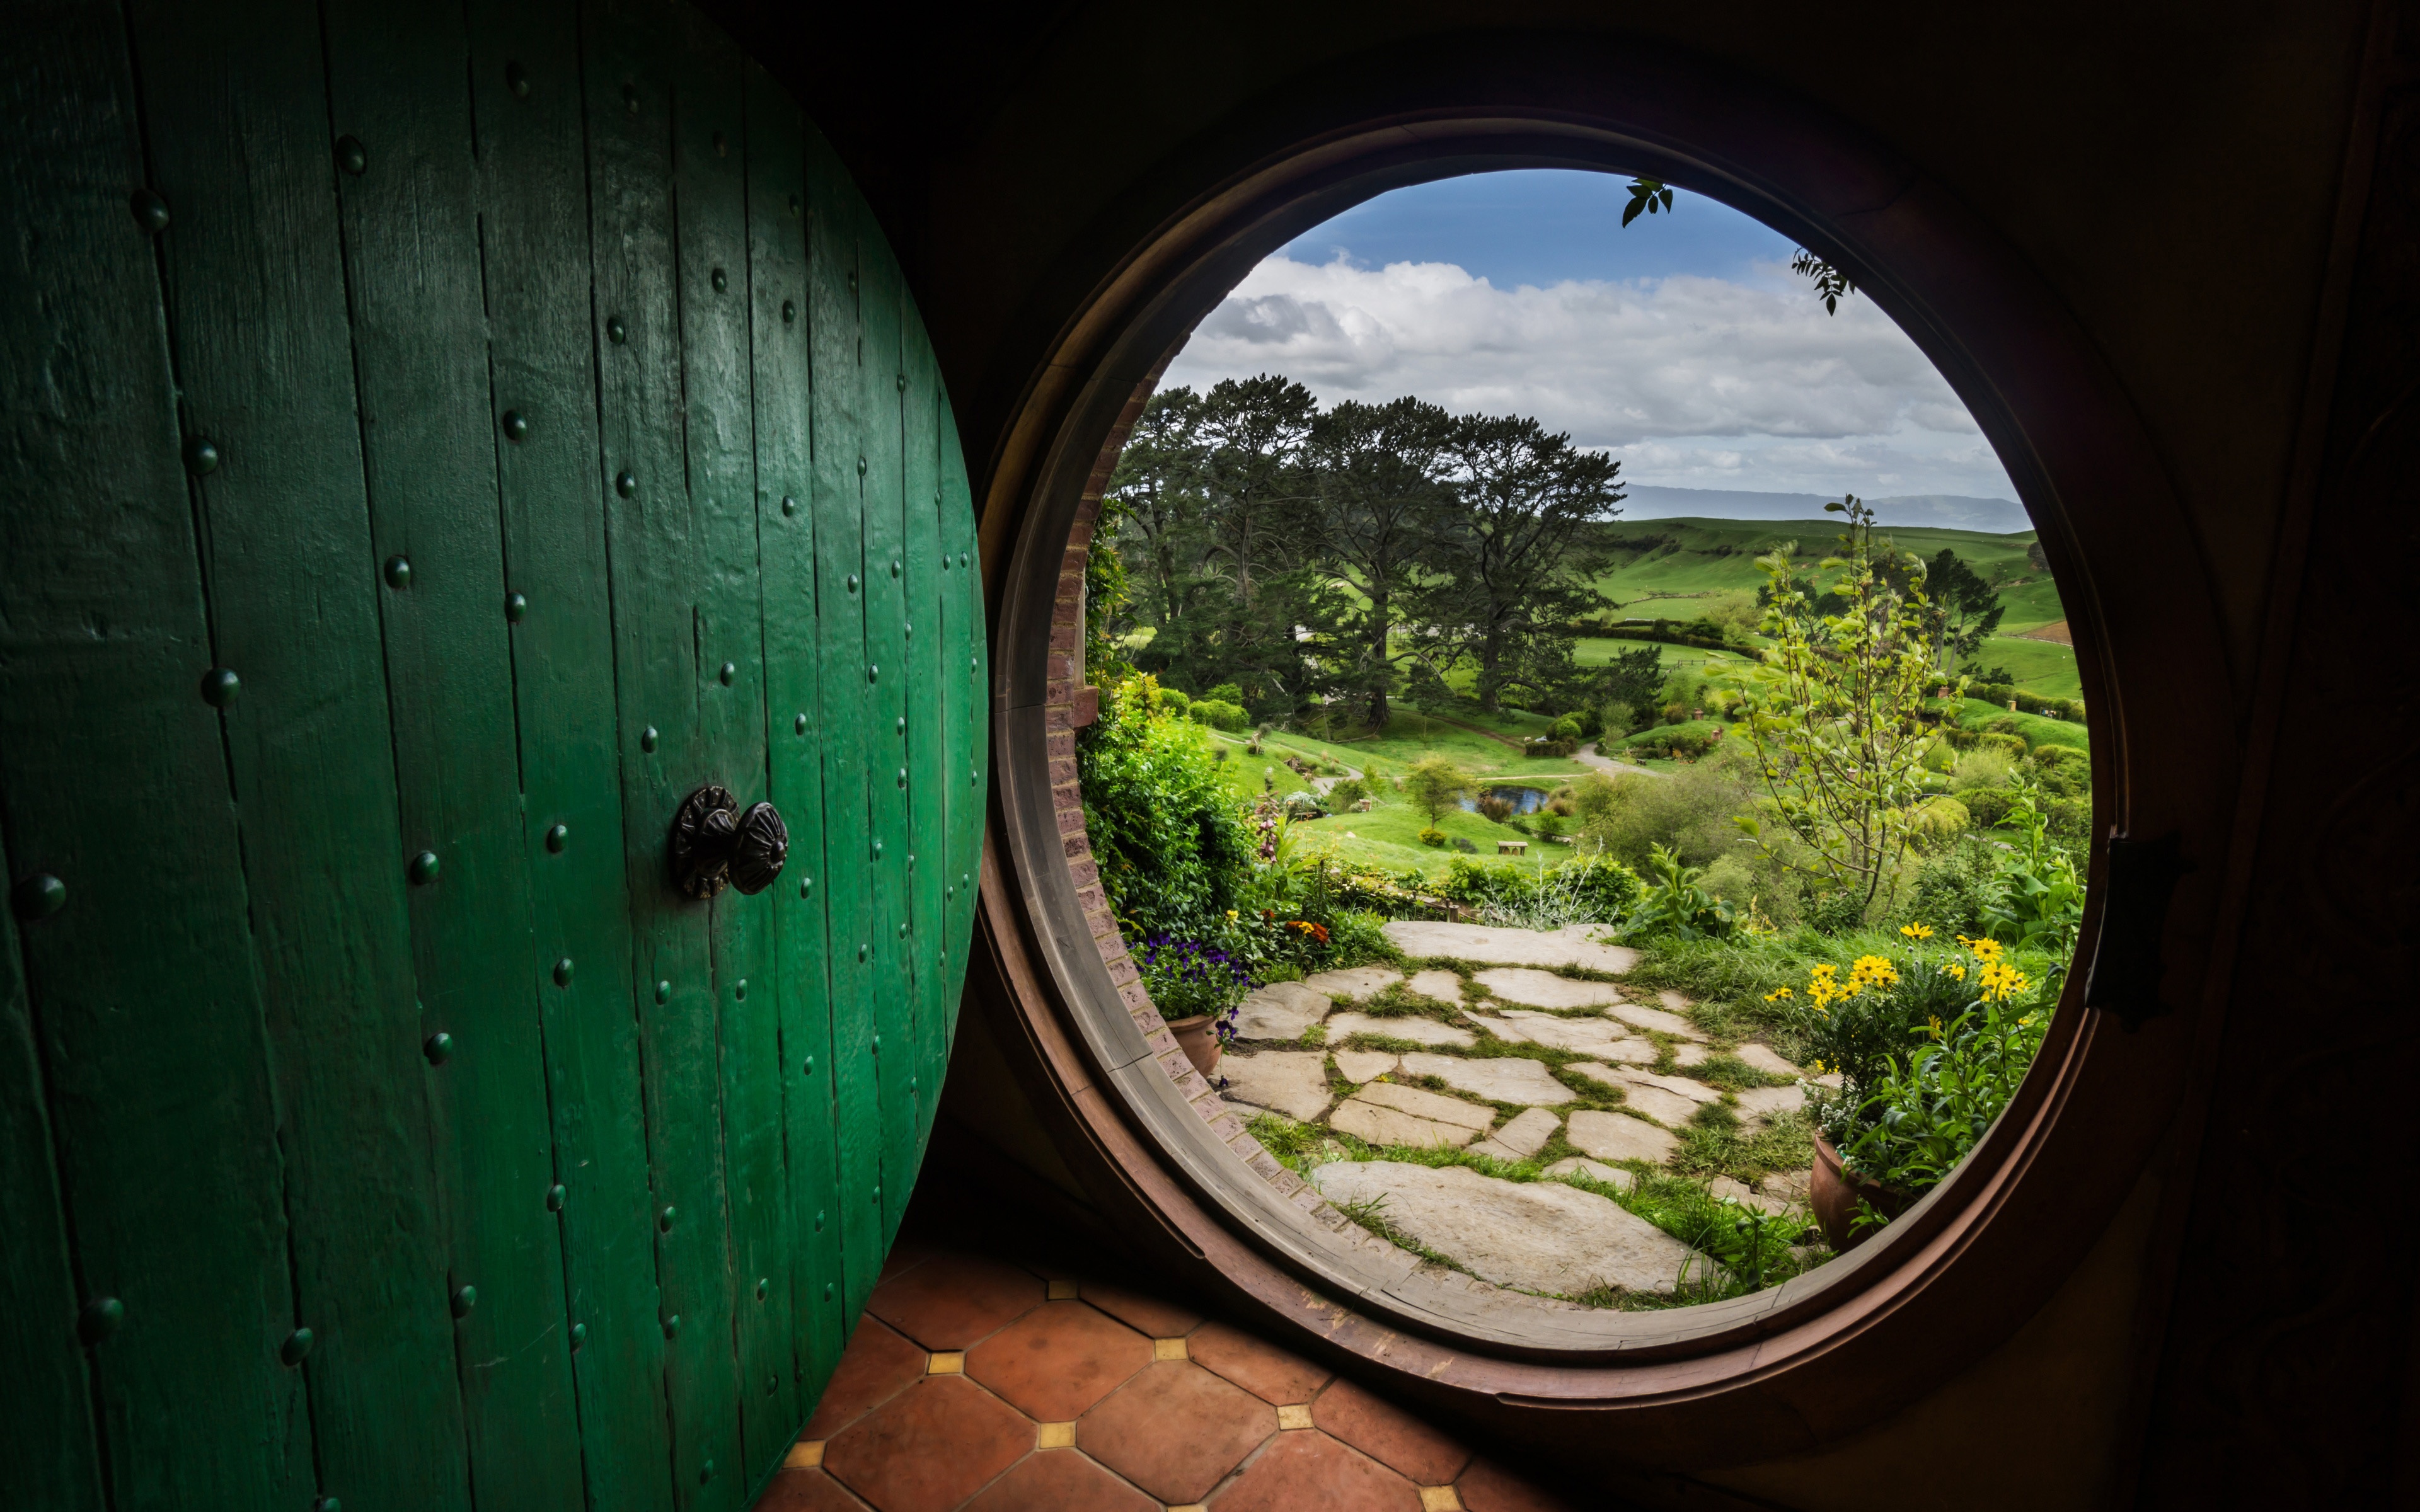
{"x": 1488, "y": 945}
{"x": 1791, "y": 1186}
{"x": 1739, "y": 1192}
{"x": 1540, "y": 1235}
{"x": 1292, "y": 1082}
{"x": 1443, "y": 986}
{"x": 1280, "y": 1011}
{"x": 1418, "y": 1030}
{"x": 1764, "y": 1057}
{"x": 1526, "y": 1133}
{"x": 1655, "y": 1019}
{"x": 1668, "y": 1100}
{"x": 1612, "y": 1176}
{"x": 1543, "y": 989}
{"x": 1422, "y": 1103}
{"x": 1354, "y": 981}
{"x": 1359, "y": 1066}
{"x": 1616, "y": 1137}
{"x": 1381, "y": 1125}
{"x": 1691, "y": 1055}
{"x": 1505, "y": 1080}
{"x": 1587, "y": 1036}
{"x": 1763, "y": 1103}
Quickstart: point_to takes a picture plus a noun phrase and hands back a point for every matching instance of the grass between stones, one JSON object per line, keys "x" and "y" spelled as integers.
{"x": 1754, "y": 1251}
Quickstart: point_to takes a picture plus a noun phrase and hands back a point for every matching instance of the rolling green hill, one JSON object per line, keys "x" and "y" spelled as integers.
{"x": 1670, "y": 568}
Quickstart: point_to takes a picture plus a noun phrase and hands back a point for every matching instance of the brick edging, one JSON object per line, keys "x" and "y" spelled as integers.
{"x": 1065, "y": 694}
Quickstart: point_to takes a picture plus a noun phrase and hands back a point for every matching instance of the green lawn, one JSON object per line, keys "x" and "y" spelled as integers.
{"x": 2042, "y": 667}
{"x": 1975, "y": 713}
{"x": 1387, "y": 837}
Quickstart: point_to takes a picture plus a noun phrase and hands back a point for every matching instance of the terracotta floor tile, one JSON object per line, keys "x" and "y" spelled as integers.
{"x": 1388, "y": 1434}
{"x": 1057, "y": 1359}
{"x": 806, "y": 1490}
{"x": 1059, "y": 1480}
{"x": 1488, "y": 1487}
{"x": 1313, "y": 1472}
{"x": 1152, "y": 1316}
{"x": 951, "y": 1301}
{"x": 876, "y": 1365}
{"x": 930, "y": 1447}
{"x": 1175, "y": 1431}
{"x": 1262, "y": 1369}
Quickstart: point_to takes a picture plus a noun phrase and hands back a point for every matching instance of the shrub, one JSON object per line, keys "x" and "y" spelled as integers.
{"x": 1432, "y": 835}
{"x": 1939, "y": 819}
{"x": 1674, "y": 902}
{"x": 1496, "y": 808}
{"x": 1566, "y": 728}
{"x": 1837, "y": 912}
{"x": 1988, "y": 807}
{"x": 2007, "y": 742}
{"x": 1218, "y": 714}
{"x": 1692, "y": 812}
{"x": 1345, "y": 795}
{"x": 1174, "y": 703}
{"x": 1954, "y": 889}
{"x": 2071, "y": 818}
{"x": 1982, "y": 767}
{"x": 1226, "y": 693}
{"x": 1926, "y": 1111}
{"x": 1169, "y": 841}
{"x": 1588, "y": 890}
{"x": 1587, "y": 723}
{"x": 2063, "y": 771}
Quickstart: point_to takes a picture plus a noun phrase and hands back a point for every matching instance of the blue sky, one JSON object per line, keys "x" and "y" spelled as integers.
{"x": 1682, "y": 343}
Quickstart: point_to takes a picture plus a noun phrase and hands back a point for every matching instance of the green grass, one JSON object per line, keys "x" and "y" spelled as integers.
{"x": 2041, "y": 666}
{"x": 2036, "y": 729}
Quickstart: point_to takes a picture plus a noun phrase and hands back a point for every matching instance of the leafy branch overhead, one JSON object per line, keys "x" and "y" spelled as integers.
{"x": 1649, "y": 195}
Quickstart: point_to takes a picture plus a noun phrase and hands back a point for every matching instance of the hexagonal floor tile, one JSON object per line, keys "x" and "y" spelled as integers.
{"x": 1055, "y": 1362}
{"x": 1312, "y": 1470}
{"x": 1389, "y": 1435}
{"x": 951, "y": 1301}
{"x": 806, "y": 1490}
{"x": 1175, "y": 1431}
{"x": 930, "y": 1447}
{"x": 1059, "y": 1480}
{"x": 878, "y": 1365}
{"x": 1262, "y": 1369}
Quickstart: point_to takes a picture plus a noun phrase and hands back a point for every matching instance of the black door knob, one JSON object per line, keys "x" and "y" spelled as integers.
{"x": 716, "y": 844}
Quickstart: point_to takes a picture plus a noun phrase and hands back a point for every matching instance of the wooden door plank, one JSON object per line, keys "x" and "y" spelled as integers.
{"x": 923, "y": 629}
{"x": 408, "y": 216}
{"x": 654, "y": 552}
{"x": 882, "y": 294}
{"x": 236, "y": 120}
{"x": 969, "y": 701}
{"x": 710, "y": 138}
{"x": 836, "y": 225}
{"x": 780, "y": 320}
{"x": 543, "y": 338}
{"x": 90, "y": 418}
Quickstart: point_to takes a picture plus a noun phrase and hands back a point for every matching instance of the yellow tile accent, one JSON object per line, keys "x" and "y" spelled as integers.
{"x": 1440, "y": 1498}
{"x": 1185, "y": 1506}
{"x": 947, "y": 1363}
{"x": 1168, "y": 1349}
{"x": 804, "y": 1455}
{"x": 1062, "y": 1291}
{"x": 1296, "y": 1416}
{"x": 1056, "y": 1436}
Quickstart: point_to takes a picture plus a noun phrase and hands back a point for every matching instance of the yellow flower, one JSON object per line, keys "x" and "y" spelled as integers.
{"x": 1957, "y": 969}
{"x": 1933, "y": 1025}
{"x": 1230, "y": 913}
{"x": 1777, "y": 995}
{"x": 1916, "y": 931}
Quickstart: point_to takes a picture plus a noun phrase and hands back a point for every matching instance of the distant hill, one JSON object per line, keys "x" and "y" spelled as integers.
{"x": 1993, "y": 516}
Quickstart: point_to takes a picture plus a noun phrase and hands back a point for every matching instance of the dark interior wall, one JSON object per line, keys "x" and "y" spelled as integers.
{"x": 2226, "y": 200}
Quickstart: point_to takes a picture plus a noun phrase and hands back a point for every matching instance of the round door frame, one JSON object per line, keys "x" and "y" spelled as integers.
{"x": 1829, "y": 1353}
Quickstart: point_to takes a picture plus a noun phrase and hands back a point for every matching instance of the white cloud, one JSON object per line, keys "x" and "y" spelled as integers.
{"x": 1693, "y": 382}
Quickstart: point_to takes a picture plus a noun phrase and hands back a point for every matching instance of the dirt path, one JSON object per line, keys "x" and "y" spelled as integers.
{"x": 1587, "y": 756}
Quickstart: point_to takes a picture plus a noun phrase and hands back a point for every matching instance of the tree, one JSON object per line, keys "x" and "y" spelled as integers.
{"x": 1839, "y": 728}
{"x": 1253, "y": 431}
{"x": 1436, "y": 785}
{"x": 1512, "y": 571}
{"x": 1159, "y": 487}
{"x": 1968, "y": 608}
{"x": 1378, "y": 472}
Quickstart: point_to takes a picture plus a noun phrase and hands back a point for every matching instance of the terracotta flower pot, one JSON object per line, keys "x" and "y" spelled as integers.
{"x": 1835, "y": 1193}
{"x": 1200, "y": 1042}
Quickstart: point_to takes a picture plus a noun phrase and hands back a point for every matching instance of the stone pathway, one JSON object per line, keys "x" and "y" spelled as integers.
{"x": 1523, "y": 1047}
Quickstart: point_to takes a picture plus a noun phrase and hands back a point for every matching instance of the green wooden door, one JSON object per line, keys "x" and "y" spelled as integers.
{"x": 434, "y": 442}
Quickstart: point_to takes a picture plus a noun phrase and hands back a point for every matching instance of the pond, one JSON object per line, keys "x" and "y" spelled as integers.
{"x": 1524, "y": 800}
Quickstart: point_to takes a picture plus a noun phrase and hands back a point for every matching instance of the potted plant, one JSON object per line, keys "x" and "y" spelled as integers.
{"x": 1197, "y": 987}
